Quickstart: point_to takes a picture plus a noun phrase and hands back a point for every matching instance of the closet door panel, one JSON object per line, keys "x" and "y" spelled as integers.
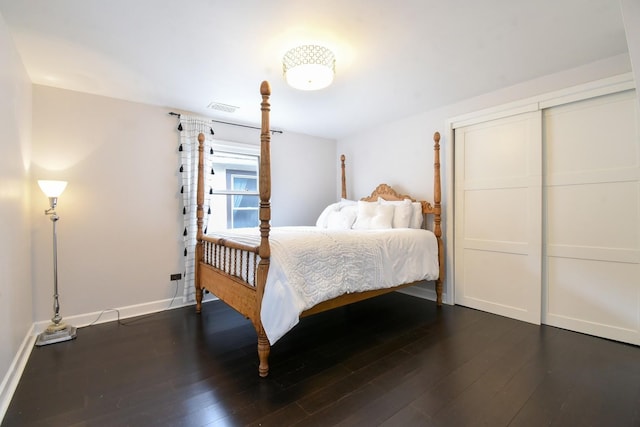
{"x": 575, "y": 215}
{"x": 498, "y": 216}
{"x": 503, "y": 161}
{"x": 596, "y": 134}
{"x": 592, "y": 217}
{"x": 497, "y": 290}
{"x": 595, "y": 297}
{"x": 497, "y": 225}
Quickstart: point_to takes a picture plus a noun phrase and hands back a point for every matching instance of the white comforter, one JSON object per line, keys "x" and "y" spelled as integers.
{"x": 310, "y": 265}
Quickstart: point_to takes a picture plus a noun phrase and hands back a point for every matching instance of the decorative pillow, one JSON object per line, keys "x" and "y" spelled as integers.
{"x": 417, "y": 217}
{"x": 372, "y": 215}
{"x": 322, "y": 219}
{"x": 342, "y": 219}
{"x": 402, "y": 214}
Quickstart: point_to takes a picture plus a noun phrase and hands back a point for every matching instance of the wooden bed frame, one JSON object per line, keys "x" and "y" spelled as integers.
{"x": 228, "y": 269}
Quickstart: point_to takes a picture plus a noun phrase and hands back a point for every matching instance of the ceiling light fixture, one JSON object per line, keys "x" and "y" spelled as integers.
{"x": 309, "y": 67}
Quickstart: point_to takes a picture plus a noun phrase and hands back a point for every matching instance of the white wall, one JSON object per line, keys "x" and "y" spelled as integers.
{"x": 16, "y": 315}
{"x": 304, "y": 171}
{"x": 400, "y": 153}
{"x": 119, "y": 234}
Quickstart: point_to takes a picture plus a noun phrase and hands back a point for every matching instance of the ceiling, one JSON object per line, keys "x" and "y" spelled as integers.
{"x": 393, "y": 59}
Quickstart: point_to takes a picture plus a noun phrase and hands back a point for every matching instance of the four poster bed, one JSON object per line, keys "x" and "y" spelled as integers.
{"x": 354, "y": 252}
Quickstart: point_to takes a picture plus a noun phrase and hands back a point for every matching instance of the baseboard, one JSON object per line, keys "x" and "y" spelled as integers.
{"x": 112, "y": 314}
{"x": 12, "y": 378}
{"x": 422, "y": 292}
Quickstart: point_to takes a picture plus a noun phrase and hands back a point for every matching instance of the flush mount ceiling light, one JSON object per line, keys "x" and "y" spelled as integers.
{"x": 309, "y": 67}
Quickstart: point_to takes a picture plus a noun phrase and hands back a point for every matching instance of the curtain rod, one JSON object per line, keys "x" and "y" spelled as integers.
{"x": 232, "y": 124}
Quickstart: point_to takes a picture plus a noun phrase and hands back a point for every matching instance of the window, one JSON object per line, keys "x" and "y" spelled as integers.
{"x": 242, "y": 209}
{"x": 234, "y": 186}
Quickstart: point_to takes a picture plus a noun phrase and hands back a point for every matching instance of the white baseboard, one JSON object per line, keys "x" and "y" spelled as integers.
{"x": 423, "y": 292}
{"x": 12, "y": 378}
{"x": 111, "y": 314}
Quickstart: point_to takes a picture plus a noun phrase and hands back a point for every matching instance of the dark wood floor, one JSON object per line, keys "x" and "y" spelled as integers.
{"x": 395, "y": 361}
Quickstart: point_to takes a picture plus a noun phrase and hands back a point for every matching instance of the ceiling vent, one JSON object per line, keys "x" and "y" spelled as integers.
{"x": 222, "y": 107}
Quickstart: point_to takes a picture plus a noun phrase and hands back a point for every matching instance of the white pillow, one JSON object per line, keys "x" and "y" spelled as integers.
{"x": 342, "y": 219}
{"x": 417, "y": 217}
{"x": 322, "y": 219}
{"x": 321, "y": 222}
{"x": 402, "y": 214}
{"x": 372, "y": 215}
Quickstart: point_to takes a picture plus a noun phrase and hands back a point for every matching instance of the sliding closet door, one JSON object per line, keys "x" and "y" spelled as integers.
{"x": 592, "y": 251}
{"x": 498, "y": 216}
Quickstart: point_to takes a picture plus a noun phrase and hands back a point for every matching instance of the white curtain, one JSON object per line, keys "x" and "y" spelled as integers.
{"x": 190, "y": 127}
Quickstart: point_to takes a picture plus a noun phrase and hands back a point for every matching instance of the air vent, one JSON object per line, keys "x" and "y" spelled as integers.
{"x": 223, "y": 107}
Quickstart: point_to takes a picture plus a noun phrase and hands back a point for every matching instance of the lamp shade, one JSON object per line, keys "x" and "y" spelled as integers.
{"x": 52, "y": 188}
{"x": 309, "y": 67}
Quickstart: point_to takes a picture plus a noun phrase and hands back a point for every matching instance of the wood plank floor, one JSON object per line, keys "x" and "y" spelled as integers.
{"x": 395, "y": 360}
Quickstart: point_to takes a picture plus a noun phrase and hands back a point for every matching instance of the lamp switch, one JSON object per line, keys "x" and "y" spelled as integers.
{"x": 176, "y": 276}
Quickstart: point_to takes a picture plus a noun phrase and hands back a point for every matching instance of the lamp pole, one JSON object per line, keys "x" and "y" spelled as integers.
{"x": 56, "y": 304}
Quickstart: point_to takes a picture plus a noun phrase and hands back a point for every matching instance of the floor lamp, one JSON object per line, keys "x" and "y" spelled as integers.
{"x": 57, "y": 331}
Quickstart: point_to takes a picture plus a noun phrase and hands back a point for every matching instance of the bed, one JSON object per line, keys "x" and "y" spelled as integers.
{"x": 255, "y": 270}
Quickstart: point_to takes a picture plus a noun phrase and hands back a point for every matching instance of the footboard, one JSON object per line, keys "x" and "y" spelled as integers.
{"x": 234, "y": 259}
{"x": 229, "y": 269}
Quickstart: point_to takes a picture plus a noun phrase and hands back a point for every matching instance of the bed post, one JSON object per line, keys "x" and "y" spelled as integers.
{"x": 200, "y": 216}
{"x": 265, "y": 216}
{"x": 344, "y": 178}
{"x": 437, "y": 197}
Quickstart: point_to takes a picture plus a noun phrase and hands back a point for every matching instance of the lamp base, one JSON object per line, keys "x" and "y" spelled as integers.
{"x": 56, "y": 333}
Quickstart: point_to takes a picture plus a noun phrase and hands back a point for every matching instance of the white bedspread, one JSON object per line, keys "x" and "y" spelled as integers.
{"x": 310, "y": 265}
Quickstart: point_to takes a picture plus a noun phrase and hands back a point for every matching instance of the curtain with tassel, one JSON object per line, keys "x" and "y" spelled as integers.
{"x": 190, "y": 127}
